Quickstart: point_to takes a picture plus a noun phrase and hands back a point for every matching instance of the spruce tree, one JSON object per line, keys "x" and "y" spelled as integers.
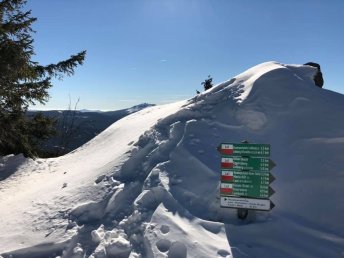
{"x": 24, "y": 82}
{"x": 207, "y": 84}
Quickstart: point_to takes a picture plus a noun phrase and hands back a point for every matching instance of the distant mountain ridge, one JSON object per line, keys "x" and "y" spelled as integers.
{"x": 76, "y": 127}
{"x": 130, "y": 110}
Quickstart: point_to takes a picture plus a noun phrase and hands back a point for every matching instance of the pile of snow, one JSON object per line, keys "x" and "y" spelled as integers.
{"x": 148, "y": 186}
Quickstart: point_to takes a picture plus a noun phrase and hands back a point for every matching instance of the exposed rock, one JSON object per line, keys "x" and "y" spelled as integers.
{"x": 318, "y": 78}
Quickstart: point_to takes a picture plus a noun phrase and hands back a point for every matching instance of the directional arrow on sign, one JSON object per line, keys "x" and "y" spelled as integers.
{"x": 272, "y": 205}
{"x": 271, "y": 164}
{"x": 271, "y": 191}
{"x": 271, "y": 178}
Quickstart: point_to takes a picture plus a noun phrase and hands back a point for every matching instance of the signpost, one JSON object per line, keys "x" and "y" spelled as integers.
{"x": 246, "y": 177}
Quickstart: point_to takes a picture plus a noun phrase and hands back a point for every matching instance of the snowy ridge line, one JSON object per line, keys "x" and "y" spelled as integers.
{"x": 230, "y": 90}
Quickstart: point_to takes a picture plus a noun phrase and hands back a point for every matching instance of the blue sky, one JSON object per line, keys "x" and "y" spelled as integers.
{"x": 159, "y": 51}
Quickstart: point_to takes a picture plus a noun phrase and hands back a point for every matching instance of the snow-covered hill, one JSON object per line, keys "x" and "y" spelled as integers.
{"x": 148, "y": 186}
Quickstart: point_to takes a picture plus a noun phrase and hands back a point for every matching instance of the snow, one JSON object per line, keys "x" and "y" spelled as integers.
{"x": 148, "y": 186}
{"x": 171, "y": 230}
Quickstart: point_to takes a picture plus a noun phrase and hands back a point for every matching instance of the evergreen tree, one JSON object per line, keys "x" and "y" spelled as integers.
{"x": 207, "y": 84}
{"x": 24, "y": 81}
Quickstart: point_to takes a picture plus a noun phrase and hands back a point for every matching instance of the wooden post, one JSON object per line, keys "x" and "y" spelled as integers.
{"x": 242, "y": 214}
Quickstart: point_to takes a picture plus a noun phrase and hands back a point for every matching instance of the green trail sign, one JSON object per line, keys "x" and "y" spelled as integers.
{"x": 245, "y": 176}
{"x": 247, "y": 190}
{"x": 245, "y": 149}
{"x": 245, "y": 163}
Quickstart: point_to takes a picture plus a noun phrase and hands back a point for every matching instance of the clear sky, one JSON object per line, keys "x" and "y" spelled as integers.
{"x": 159, "y": 51}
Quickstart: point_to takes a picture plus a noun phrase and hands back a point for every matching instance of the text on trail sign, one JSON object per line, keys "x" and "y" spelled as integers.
{"x": 245, "y": 163}
{"x": 243, "y": 149}
{"x": 246, "y": 203}
{"x": 247, "y": 190}
{"x": 245, "y": 177}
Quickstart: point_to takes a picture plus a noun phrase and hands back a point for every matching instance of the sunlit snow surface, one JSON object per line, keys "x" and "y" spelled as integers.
{"x": 148, "y": 186}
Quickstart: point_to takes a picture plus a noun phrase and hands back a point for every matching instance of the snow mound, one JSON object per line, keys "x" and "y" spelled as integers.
{"x": 148, "y": 186}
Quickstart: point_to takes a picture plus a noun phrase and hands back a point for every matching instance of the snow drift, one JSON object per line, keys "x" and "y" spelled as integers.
{"x": 148, "y": 186}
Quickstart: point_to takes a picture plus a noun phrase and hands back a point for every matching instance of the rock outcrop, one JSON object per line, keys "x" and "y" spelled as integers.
{"x": 318, "y": 78}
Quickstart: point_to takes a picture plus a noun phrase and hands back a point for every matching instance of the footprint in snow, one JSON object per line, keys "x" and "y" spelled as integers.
{"x": 223, "y": 253}
{"x": 164, "y": 229}
{"x": 177, "y": 250}
{"x": 163, "y": 245}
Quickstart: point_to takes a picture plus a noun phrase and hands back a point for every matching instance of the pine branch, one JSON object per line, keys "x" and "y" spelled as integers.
{"x": 61, "y": 68}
